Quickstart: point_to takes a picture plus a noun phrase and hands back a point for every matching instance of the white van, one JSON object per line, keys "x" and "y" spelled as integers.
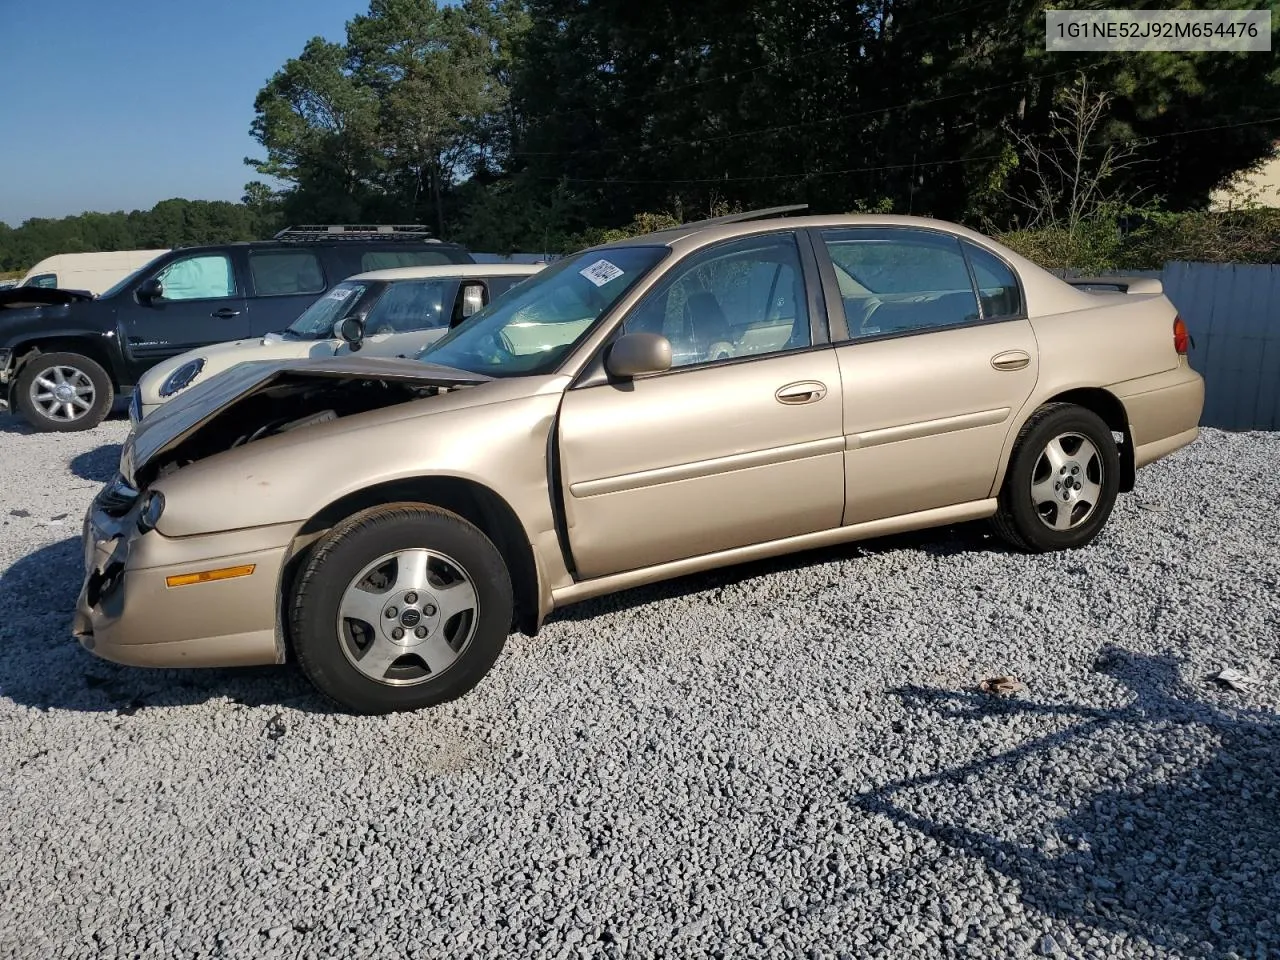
{"x": 94, "y": 272}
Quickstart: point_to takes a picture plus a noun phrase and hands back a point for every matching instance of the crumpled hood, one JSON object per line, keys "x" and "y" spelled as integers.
{"x": 182, "y": 415}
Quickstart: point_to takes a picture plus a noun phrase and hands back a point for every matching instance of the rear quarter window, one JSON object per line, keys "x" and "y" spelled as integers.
{"x": 389, "y": 259}
{"x": 997, "y": 286}
{"x": 500, "y": 285}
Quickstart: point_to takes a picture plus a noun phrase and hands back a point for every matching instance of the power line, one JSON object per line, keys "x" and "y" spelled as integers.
{"x": 825, "y": 51}
{"x": 769, "y": 131}
{"x": 904, "y": 166}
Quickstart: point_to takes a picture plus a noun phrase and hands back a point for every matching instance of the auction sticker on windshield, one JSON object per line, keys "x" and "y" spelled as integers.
{"x": 340, "y": 293}
{"x": 601, "y": 272}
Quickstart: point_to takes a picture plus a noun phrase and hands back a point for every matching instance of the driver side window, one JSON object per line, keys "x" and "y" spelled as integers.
{"x": 407, "y": 306}
{"x": 199, "y": 277}
{"x": 739, "y": 299}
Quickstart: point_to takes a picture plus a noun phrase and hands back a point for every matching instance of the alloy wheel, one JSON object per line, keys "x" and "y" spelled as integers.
{"x": 407, "y": 617}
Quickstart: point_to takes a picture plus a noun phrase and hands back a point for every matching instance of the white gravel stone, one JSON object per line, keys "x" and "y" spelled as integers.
{"x": 785, "y": 759}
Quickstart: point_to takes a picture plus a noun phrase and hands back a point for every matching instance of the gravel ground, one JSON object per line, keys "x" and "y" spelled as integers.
{"x": 785, "y": 759}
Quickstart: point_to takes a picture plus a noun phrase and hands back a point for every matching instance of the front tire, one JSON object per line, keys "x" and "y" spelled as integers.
{"x": 63, "y": 392}
{"x": 401, "y": 607}
{"x": 1062, "y": 481}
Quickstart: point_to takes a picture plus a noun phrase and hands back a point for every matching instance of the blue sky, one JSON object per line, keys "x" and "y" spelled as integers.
{"x": 111, "y": 105}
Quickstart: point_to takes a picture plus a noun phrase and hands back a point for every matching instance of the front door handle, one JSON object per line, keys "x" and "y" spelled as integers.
{"x": 1011, "y": 360}
{"x": 226, "y": 313}
{"x": 806, "y": 391}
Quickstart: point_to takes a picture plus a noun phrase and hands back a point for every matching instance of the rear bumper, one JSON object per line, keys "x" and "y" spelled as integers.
{"x": 1163, "y": 412}
{"x": 126, "y": 612}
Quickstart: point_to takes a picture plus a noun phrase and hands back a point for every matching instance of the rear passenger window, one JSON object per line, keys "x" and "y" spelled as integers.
{"x": 388, "y": 259}
{"x": 279, "y": 273}
{"x": 997, "y": 286}
{"x": 895, "y": 281}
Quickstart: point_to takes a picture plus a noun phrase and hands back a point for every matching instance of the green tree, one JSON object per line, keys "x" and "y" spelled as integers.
{"x": 170, "y": 223}
{"x": 386, "y": 125}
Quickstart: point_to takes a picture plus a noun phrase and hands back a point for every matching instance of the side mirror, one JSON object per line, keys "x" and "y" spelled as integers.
{"x": 472, "y": 299}
{"x": 350, "y": 329}
{"x": 634, "y": 354}
{"x": 150, "y": 290}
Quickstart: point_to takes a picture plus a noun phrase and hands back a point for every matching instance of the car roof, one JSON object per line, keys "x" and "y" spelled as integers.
{"x": 451, "y": 270}
{"x": 1043, "y": 291}
{"x": 704, "y": 233}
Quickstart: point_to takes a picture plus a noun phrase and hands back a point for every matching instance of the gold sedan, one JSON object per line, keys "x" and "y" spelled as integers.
{"x": 718, "y": 392}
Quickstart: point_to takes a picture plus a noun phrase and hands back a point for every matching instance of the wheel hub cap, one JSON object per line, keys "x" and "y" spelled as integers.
{"x": 63, "y": 393}
{"x": 1067, "y": 481}
{"x": 407, "y": 617}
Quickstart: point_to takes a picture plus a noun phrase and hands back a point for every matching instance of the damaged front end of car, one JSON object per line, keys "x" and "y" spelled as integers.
{"x": 130, "y": 608}
{"x": 256, "y": 400}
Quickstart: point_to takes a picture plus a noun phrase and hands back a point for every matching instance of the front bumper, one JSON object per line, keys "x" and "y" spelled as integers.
{"x": 127, "y": 613}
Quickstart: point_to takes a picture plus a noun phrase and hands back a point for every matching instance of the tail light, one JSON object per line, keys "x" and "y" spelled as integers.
{"x": 1181, "y": 337}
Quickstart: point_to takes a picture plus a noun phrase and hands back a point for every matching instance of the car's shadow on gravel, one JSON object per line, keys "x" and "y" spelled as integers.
{"x": 12, "y": 423}
{"x": 1180, "y": 846}
{"x": 939, "y": 541}
{"x": 43, "y": 666}
{"x": 97, "y": 465}
{"x": 15, "y": 424}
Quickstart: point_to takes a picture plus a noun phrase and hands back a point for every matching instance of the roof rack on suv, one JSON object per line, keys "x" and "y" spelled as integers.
{"x": 358, "y": 231}
{"x": 762, "y": 214}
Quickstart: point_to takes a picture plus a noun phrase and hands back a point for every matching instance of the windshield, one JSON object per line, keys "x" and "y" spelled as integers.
{"x": 532, "y": 327}
{"x": 316, "y": 322}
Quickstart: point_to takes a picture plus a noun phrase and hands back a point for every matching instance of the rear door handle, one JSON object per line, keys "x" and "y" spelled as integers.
{"x": 226, "y": 313}
{"x": 1011, "y": 360}
{"x": 806, "y": 391}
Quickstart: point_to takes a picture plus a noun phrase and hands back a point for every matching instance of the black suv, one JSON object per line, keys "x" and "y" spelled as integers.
{"x": 65, "y": 355}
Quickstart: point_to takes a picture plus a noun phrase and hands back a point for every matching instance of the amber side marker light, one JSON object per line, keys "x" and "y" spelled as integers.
{"x": 208, "y": 576}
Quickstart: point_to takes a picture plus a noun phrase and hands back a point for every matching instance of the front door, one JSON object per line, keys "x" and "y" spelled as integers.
{"x": 938, "y": 360}
{"x": 739, "y": 443}
{"x": 201, "y": 303}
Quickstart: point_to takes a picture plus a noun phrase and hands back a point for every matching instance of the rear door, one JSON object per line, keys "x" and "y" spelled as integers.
{"x": 283, "y": 282}
{"x": 203, "y": 302}
{"x": 936, "y": 358}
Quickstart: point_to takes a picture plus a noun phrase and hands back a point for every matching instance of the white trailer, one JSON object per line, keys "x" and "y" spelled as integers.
{"x": 94, "y": 272}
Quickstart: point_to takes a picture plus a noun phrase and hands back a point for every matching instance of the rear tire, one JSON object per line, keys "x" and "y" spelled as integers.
{"x": 1062, "y": 481}
{"x": 400, "y": 607}
{"x": 63, "y": 392}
